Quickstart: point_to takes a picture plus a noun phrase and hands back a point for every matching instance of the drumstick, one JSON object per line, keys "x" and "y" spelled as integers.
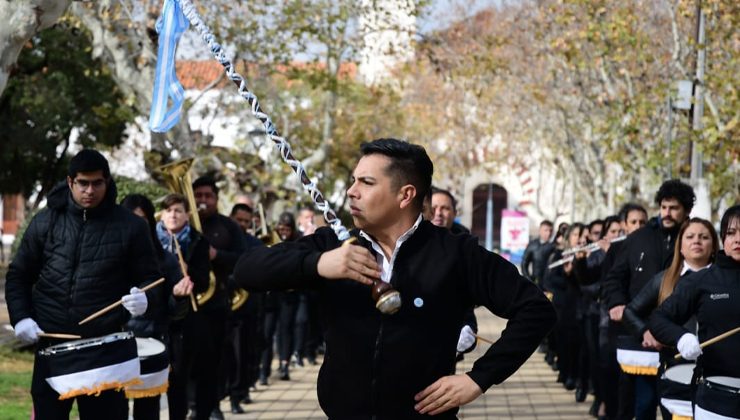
{"x": 55, "y": 335}
{"x": 119, "y": 302}
{"x": 485, "y": 340}
{"x": 184, "y": 270}
{"x": 714, "y": 340}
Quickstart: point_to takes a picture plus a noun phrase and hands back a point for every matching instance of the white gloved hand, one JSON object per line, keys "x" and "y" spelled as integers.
{"x": 688, "y": 346}
{"x": 466, "y": 340}
{"x": 136, "y": 302}
{"x": 27, "y": 330}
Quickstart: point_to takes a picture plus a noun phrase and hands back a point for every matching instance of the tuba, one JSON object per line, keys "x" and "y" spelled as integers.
{"x": 177, "y": 178}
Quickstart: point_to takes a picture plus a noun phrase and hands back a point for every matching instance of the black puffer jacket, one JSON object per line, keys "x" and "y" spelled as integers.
{"x": 645, "y": 252}
{"x": 73, "y": 262}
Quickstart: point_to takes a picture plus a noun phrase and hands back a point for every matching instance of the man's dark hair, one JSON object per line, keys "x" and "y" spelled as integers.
{"x": 241, "y": 207}
{"x": 410, "y": 164}
{"x": 174, "y": 198}
{"x": 88, "y": 160}
{"x": 629, "y": 208}
{"x": 288, "y": 219}
{"x": 206, "y": 181}
{"x": 547, "y": 223}
{"x": 594, "y": 223}
{"x": 436, "y": 190}
{"x": 731, "y": 214}
{"x": 675, "y": 189}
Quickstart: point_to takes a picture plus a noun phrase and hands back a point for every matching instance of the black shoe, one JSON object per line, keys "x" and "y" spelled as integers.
{"x": 570, "y": 384}
{"x": 216, "y": 414}
{"x": 263, "y": 380}
{"x": 246, "y": 400}
{"x": 283, "y": 369}
{"x": 594, "y": 410}
{"x": 312, "y": 361}
{"x": 561, "y": 378}
{"x": 581, "y": 394}
{"x": 236, "y": 408}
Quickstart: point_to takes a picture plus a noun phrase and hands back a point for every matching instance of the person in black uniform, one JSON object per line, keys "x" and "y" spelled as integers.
{"x": 79, "y": 254}
{"x": 227, "y": 243}
{"x": 399, "y": 366}
{"x": 534, "y": 261}
{"x": 713, "y": 297}
{"x": 174, "y": 303}
{"x": 643, "y": 254}
{"x": 175, "y": 232}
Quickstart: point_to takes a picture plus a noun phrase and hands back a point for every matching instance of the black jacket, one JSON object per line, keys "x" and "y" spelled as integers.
{"x": 228, "y": 239}
{"x": 375, "y": 363}
{"x": 73, "y": 262}
{"x": 535, "y": 256}
{"x": 643, "y": 254}
{"x": 156, "y": 321}
{"x": 713, "y": 296}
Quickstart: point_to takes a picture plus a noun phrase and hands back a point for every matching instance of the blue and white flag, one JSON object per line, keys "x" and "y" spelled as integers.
{"x": 170, "y": 27}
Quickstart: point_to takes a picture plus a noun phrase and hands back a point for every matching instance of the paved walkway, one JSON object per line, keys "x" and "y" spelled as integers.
{"x": 531, "y": 393}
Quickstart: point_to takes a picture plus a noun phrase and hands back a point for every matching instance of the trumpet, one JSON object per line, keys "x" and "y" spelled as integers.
{"x": 569, "y": 254}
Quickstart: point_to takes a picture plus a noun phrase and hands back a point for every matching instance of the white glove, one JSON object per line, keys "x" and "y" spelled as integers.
{"x": 136, "y": 302}
{"x": 27, "y": 330}
{"x": 466, "y": 340}
{"x": 688, "y": 346}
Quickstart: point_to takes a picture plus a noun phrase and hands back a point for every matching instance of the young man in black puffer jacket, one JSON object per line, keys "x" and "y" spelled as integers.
{"x": 78, "y": 255}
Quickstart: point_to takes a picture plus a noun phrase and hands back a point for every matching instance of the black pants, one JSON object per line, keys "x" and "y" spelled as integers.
{"x": 109, "y": 405}
{"x": 270, "y": 324}
{"x": 146, "y": 408}
{"x": 203, "y": 337}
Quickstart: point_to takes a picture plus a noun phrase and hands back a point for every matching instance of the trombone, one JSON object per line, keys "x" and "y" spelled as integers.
{"x": 569, "y": 254}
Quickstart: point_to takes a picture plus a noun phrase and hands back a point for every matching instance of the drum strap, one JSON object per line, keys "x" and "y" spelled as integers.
{"x": 698, "y": 373}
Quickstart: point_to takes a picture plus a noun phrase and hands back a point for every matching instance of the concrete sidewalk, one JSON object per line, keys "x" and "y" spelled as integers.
{"x": 531, "y": 393}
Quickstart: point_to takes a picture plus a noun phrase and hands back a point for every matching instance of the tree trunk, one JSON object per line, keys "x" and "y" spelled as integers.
{"x": 21, "y": 19}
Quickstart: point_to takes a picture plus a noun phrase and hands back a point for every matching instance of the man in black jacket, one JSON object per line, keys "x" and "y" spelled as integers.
{"x": 534, "y": 262}
{"x": 643, "y": 254}
{"x": 400, "y": 366}
{"x": 227, "y": 242}
{"x": 78, "y": 255}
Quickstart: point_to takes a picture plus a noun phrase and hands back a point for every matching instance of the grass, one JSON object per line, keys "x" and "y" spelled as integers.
{"x": 16, "y": 368}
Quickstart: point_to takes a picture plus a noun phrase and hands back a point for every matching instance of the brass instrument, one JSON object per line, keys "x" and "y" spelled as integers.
{"x": 177, "y": 177}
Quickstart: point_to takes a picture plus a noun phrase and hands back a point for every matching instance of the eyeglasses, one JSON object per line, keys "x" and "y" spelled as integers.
{"x": 84, "y": 184}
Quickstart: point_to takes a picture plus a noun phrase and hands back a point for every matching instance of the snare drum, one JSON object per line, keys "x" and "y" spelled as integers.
{"x": 155, "y": 369}
{"x": 718, "y": 398}
{"x": 91, "y": 365}
{"x": 675, "y": 389}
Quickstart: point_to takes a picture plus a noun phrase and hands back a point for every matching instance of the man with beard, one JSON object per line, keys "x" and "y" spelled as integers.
{"x": 645, "y": 252}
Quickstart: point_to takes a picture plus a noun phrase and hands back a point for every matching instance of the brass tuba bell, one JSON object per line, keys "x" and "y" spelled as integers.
{"x": 177, "y": 178}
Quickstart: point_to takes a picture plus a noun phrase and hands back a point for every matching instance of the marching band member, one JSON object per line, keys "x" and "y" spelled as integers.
{"x": 713, "y": 297}
{"x": 79, "y": 254}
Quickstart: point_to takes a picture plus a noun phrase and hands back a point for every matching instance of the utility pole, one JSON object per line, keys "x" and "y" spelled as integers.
{"x": 703, "y": 206}
{"x": 697, "y": 167}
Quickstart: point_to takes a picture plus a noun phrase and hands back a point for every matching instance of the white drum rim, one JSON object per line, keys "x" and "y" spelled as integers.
{"x": 147, "y": 346}
{"x": 85, "y": 343}
{"x": 725, "y": 380}
{"x": 689, "y": 367}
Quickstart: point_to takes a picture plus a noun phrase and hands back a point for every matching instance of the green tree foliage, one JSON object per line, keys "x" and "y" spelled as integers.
{"x": 56, "y": 90}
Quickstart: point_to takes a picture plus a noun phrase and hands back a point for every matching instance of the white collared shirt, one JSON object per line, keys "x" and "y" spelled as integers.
{"x": 386, "y": 265}
{"x": 686, "y": 268}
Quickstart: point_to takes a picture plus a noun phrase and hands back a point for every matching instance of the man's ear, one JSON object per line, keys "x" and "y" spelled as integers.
{"x": 407, "y": 193}
{"x": 69, "y": 182}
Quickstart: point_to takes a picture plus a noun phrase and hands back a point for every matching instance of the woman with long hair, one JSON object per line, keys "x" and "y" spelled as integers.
{"x": 696, "y": 248}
